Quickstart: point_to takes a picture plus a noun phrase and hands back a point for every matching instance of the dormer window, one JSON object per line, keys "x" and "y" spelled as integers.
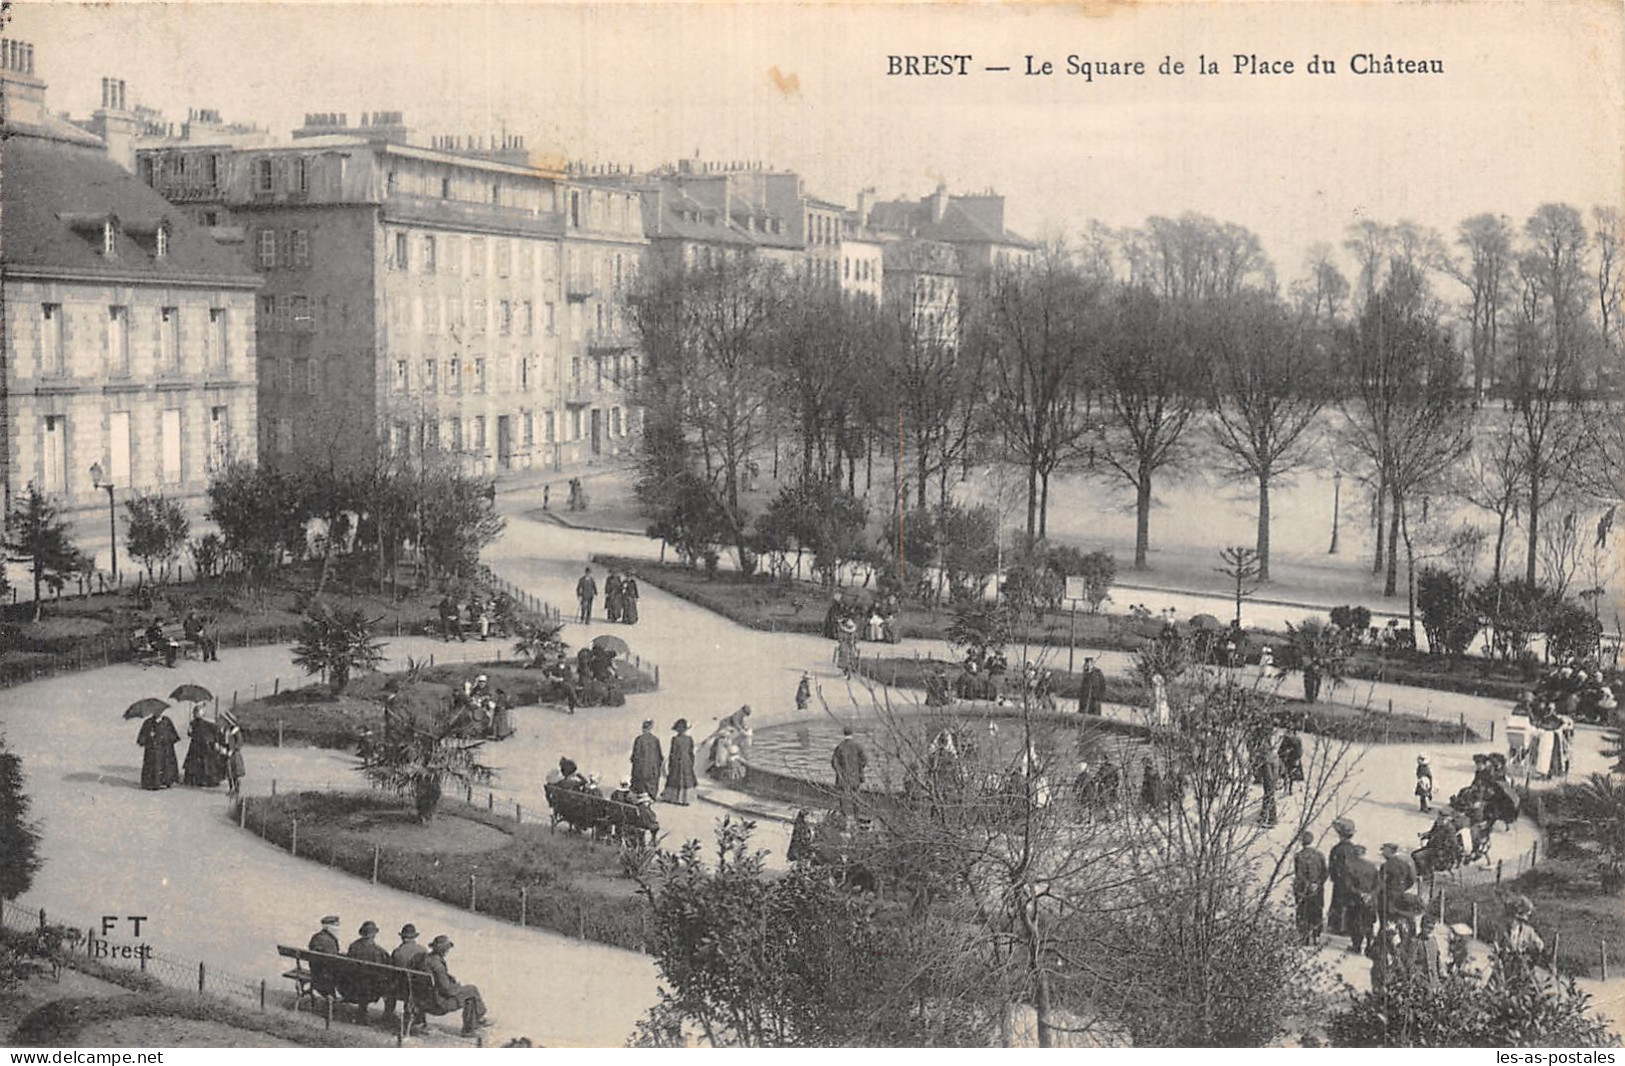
{"x": 109, "y": 238}
{"x": 161, "y": 242}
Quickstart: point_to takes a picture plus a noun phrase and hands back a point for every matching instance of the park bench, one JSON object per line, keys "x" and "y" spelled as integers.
{"x": 359, "y": 981}
{"x": 598, "y": 816}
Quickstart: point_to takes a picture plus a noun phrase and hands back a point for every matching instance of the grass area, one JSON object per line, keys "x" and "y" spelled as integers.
{"x": 798, "y": 607}
{"x": 50, "y": 1019}
{"x": 570, "y": 885}
{"x": 1329, "y": 719}
{"x": 85, "y": 632}
{"x": 312, "y": 715}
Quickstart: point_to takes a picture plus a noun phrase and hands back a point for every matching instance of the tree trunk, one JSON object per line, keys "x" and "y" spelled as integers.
{"x": 1534, "y": 527}
{"x": 39, "y": 604}
{"x": 1382, "y": 503}
{"x": 1043, "y": 505}
{"x": 1032, "y": 500}
{"x": 922, "y": 468}
{"x": 1263, "y": 528}
{"x": 1500, "y": 545}
{"x": 1391, "y": 581}
{"x": 1142, "y": 521}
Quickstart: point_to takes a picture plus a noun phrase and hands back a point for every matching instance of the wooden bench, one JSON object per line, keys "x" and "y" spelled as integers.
{"x": 598, "y": 816}
{"x": 358, "y": 981}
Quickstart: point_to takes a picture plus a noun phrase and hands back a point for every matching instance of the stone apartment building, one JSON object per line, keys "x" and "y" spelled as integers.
{"x": 450, "y": 299}
{"x": 129, "y": 336}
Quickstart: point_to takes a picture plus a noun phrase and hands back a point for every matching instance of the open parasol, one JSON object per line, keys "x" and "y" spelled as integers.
{"x": 190, "y": 693}
{"x": 613, "y": 643}
{"x": 143, "y": 708}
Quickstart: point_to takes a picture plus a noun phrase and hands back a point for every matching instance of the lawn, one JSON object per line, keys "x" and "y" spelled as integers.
{"x": 313, "y": 716}
{"x": 518, "y": 872}
{"x": 799, "y": 607}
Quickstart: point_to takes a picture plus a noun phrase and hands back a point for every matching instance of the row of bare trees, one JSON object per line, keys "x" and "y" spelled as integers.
{"x": 1142, "y": 354}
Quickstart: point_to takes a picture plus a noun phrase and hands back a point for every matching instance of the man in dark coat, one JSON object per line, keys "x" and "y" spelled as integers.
{"x": 1364, "y": 885}
{"x": 1309, "y": 888}
{"x": 1398, "y": 877}
{"x": 586, "y": 592}
{"x": 1092, "y": 689}
{"x": 1337, "y": 871}
{"x": 159, "y": 768}
{"x": 849, "y": 762}
{"x": 832, "y": 618}
{"x": 363, "y": 990}
{"x": 647, "y": 761}
{"x": 325, "y": 941}
{"x": 203, "y": 767}
{"x": 406, "y": 956}
{"x": 1290, "y": 753}
{"x": 449, "y": 994}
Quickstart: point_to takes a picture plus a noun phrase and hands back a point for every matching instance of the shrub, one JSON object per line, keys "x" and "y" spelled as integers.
{"x": 155, "y": 531}
{"x": 1447, "y": 617}
{"x": 19, "y": 837}
{"x": 1353, "y": 620}
{"x": 337, "y": 642}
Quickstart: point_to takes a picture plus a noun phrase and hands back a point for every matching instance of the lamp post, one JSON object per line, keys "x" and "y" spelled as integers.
{"x": 112, "y": 515}
{"x": 1337, "y": 507}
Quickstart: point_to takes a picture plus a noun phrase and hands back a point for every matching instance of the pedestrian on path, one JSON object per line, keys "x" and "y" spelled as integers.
{"x": 1424, "y": 783}
{"x": 612, "y": 596}
{"x": 1364, "y": 882}
{"x": 1309, "y": 888}
{"x": 157, "y": 738}
{"x": 1092, "y": 689}
{"x": 1337, "y": 865}
{"x": 231, "y": 739}
{"x": 586, "y": 592}
{"x": 629, "y": 598}
{"x": 849, "y": 763}
{"x": 804, "y": 691}
{"x": 647, "y": 760}
{"x": 680, "y": 779}
{"x": 1290, "y": 753}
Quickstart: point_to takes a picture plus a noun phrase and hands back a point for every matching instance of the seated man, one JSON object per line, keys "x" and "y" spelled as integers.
{"x": 160, "y": 643}
{"x": 324, "y": 941}
{"x": 448, "y": 994}
{"x": 362, "y": 990}
{"x": 193, "y": 628}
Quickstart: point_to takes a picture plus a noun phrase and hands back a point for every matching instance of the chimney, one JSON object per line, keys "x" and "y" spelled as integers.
{"x": 22, "y": 95}
{"x": 866, "y": 201}
{"x": 939, "y": 202}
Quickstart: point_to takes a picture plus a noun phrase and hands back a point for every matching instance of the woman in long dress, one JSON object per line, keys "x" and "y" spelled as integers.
{"x": 158, "y": 766}
{"x": 203, "y": 768}
{"x": 629, "y": 599}
{"x": 231, "y": 742}
{"x": 680, "y": 779}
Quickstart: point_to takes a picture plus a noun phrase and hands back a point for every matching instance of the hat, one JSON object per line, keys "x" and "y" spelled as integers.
{"x": 331, "y": 919}
{"x": 679, "y": 725}
{"x": 409, "y": 931}
{"x": 1422, "y": 759}
{"x": 846, "y": 731}
{"x": 626, "y": 782}
{"x": 441, "y": 939}
{"x": 1359, "y": 849}
{"x": 368, "y": 927}
{"x": 482, "y": 677}
{"x": 744, "y": 708}
{"x": 1390, "y": 848}
{"x": 1461, "y": 929}
{"x": 1306, "y": 837}
{"x": 648, "y": 723}
{"x": 1520, "y": 907}
{"x": 1344, "y": 827}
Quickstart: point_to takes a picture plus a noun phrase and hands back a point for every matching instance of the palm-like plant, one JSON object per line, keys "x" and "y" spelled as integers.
{"x": 539, "y": 642}
{"x": 418, "y": 760}
{"x": 1602, "y": 803}
{"x": 1320, "y": 651}
{"x": 337, "y": 643}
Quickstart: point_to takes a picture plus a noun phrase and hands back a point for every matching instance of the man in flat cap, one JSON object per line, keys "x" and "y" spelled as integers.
{"x": 1398, "y": 878}
{"x": 449, "y": 995}
{"x": 360, "y": 990}
{"x": 325, "y": 941}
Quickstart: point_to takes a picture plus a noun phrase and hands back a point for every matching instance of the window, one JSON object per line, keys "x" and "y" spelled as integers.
{"x": 615, "y": 422}
{"x": 169, "y": 338}
{"x": 299, "y": 175}
{"x": 220, "y": 326}
{"x": 299, "y": 248}
{"x": 575, "y": 209}
{"x": 479, "y": 375}
{"x": 477, "y": 257}
{"x": 504, "y": 255}
{"x": 551, "y": 425}
{"x": 454, "y": 434}
{"x": 268, "y": 318}
{"x": 455, "y": 249}
{"x": 400, "y": 383}
{"x": 109, "y": 239}
{"x": 454, "y": 375}
{"x": 445, "y": 194}
{"x": 576, "y": 321}
{"x": 506, "y": 321}
{"x": 430, "y": 378}
{"x": 431, "y": 436}
{"x": 161, "y": 249}
{"x": 53, "y": 349}
{"x": 219, "y": 438}
{"x": 170, "y": 446}
{"x": 118, "y": 339}
{"x": 264, "y": 175}
{"x": 55, "y": 454}
{"x": 527, "y": 428}
{"x": 524, "y": 372}
{"x": 285, "y": 365}
{"x": 551, "y": 319}
{"x": 496, "y": 193}
{"x": 402, "y": 259}
{"x": 267, "y": 249}
{"x": 479, "y": 434}
{"x": 480, "y": 320}
{"x": 575, "y": 423}
{"x": 313, "y": 377}
{"x": 118, "y": 447}
{"x": 529, "y": 318}
{"x": 428, "y": 255}
{"x": 299, "y": 316}
{"x": 575, "y": 370}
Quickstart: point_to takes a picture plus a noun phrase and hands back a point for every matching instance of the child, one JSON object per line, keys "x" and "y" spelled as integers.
{"x": 1424, "y": 782}
{"x": 804, "y": 692}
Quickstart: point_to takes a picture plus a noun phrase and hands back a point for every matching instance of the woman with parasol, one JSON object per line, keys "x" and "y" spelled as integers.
{"x": 158, "y": 738}
{"x": 204, "y": 767}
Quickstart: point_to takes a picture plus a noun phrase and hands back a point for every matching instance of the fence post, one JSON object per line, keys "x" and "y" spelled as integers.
{"x": 293, "y": 841}
{"x": 1498, "y": 871}
{"x": 491, "y": 801}
{"x": 262, "y": 993}
{"x": 1534, "y": 853}
{"x": 1475, "y": 919}
{"x": 200, "y": 978}
{"x": 524, "y": 902}
{"x": 1605, "y": 960}
{"x": 518, "y": 812}
{"x": 657, "y": 674}
{"x": 375, "y": 864}
{"x": 273, "y": 786}
{"x": 468, "y": 795}
{"x": 473, "y": 896}
{"x": 279, "y": 732}
{"x": 242, "y": 812}
{"x": 1492, "y": 730}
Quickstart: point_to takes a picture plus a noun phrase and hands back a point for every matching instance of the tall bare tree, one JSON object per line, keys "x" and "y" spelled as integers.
{"x": 1484, "y": 268}
{"x": 934, "y": 384}
{"x": 1269, "y": 380}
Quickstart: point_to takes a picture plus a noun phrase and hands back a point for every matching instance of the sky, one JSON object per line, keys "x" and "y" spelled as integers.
{"x": 1527, "y": 110}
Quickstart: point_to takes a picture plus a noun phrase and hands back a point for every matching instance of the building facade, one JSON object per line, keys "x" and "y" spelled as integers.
{"x": 129, "y": 340}
{"x": 420, "y": 300}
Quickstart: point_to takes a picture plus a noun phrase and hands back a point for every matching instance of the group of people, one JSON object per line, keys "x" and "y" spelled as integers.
{"x": 620, "y": 597}
{"x": 447, "y": 993}
{"x": 486, "y": 708}
{"x": 483, "y": 616}
{"x": 728, "y": 746}
{"x": 875, "y": 621}
{"x": 196, "y": 630}
{"x": 214, "y": 752}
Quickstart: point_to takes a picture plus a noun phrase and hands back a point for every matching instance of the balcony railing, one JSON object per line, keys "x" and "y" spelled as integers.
{"x": 606, "y": 340}
{"x": 579, "y": 286}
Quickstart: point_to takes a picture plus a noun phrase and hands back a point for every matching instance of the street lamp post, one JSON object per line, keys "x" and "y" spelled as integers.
{"x": 1337, "y": 507}
{"x": 112, "y": 515}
